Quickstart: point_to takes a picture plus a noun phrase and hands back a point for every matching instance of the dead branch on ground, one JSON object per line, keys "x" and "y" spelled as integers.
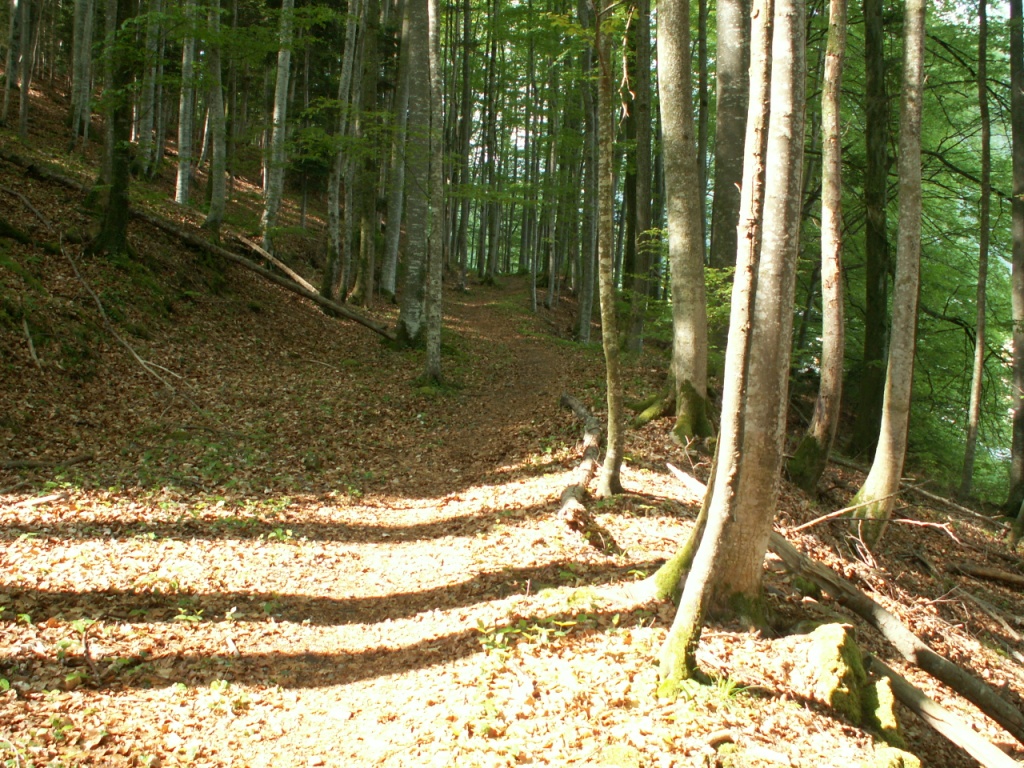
{"x": 992, "y": 574}
{"x": 277, "y": 263}
{"x": 943, "y": 721}
{"x": 912, "y": 648}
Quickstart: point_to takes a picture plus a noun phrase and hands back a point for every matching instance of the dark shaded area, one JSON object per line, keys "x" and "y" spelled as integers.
{"x": 153, "y": 606}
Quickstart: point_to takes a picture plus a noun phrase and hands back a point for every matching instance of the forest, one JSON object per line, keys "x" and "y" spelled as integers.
{"x": 505, "y": 382}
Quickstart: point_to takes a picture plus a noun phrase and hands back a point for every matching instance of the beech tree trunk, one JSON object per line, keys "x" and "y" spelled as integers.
{"x": 689, "y": 368}
{"x": 609, "y": 482}
{"x": 1016, "y": 496}
{"x": 727, "y": 569}
{"x": 887, "y": 469}
{"x": 218, "y": 126}
{"x": 808, "y": 463}
{"x": 275, "y": 171}
{"x": 185, "y": 109}
{"x": 984, "y": 205}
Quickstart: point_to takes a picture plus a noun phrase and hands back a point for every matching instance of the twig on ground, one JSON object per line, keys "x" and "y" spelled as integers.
{"x": 38, "y": 501}
{"x": 41, "y": 464}
{"x": 27, "y": 204}
{"x": 31, "y": 346}
{"x": 844, "y": 510}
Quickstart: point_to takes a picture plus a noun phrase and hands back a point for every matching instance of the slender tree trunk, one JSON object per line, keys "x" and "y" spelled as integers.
{"x": 25, "y": 65}
{"x": 81, "y": 78}
{"x": 185, "y": 109}
{"x": 396, "y": 194}
{"x": 727, "y": 569}
{"x": 11, "y": 61}
{"x": 417, "y": 203}
{"x": 1016, "y": 495}
{"x": 808, "y": 463}
{"x": 886, "y": 470}
{"x": 984, "y": 205}
{"x": 588, "y": 245}
{"x": 335, "y": 242}
{"x": 609, "y": 482}
{"x": 366, "y": 185}
{"x": 689, "y": 367}
{"x": 113, "y": 234}
{"x": 147, "y": 99}
{"x": 435, "y": 234}
{"x": 876, "y": 245}
{"x": 275, "y": 171}
{"x": 218, "y": 127}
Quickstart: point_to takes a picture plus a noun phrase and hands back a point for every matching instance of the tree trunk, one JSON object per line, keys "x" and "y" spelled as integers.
{"x": 25, "y": 65}
{"x": 887, "y": 468}
{"x": 731, "y": 65}
{"x": 417, "y": 162}
{"x": 218, "y": 128}
{"x": 185, "y": 109}
{"x": 808, "y": 463}
{"x": 727, "y": 569}
{"x": 435, "y": 234}
{"x": 81, "y": 77}
{"x": 689, "y": 368}
{"x": 1016, "y": 496}
{"x": 113, "y": 235}
{"x": 609, "y": 482}
{"x": 984, "y": 205}
{"x": 147, "y": 99}
{"x": 876, "y": 245}
{"x": 396, "y": 193}
{"x": 275, "y": 171}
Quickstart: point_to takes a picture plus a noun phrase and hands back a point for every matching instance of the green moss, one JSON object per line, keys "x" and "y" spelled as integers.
{"x": 691, "y": 414}
{"x": 890, "y": 757}
{"x": 839, "y": 676}
{"x": 807, "y": 464}
{"x": 880, "y": 712}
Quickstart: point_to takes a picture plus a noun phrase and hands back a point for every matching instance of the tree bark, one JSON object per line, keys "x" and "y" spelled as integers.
{"x": 887, "y": 468}
{"x": 435, "y": 234}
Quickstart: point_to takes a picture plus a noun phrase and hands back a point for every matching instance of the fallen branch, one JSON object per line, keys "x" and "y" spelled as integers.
{"x": 993, "y": 613}
{"x": 202, "y": 244}
{"x": 31, "y": 346}
{"x": 40, "y": 500}
{"x": 943, "y": 721}
{"x": 277, "y": 263}
{"x": 912, "y": 648}
{"x": 24, "y": 201}
{"x": 992, "y": 574}
{"x": 40, "y": 464}
{"x": 843, "y": 511}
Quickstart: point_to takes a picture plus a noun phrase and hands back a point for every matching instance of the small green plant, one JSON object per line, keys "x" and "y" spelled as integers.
{"x": 189, "y": 615}
{"x": 283, "y": 535}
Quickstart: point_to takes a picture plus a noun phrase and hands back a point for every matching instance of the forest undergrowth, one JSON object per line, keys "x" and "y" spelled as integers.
{"x": 236, "y": 531}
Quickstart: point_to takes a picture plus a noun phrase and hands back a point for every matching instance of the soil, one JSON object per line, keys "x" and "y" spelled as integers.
{"x": 274, "y": 546}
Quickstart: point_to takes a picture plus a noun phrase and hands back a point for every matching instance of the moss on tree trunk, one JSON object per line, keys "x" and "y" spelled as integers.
{"x": 808, "y": 463}
{"x": 691, "y": 413}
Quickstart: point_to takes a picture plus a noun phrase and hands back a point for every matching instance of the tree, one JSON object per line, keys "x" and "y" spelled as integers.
{"x": 276, "y": 164}
{"x": 81, "y": 72}
{"x": 876, "y": 246}
{"x": 727, "y": 569}
{"x": 811, "y": 456}
{"x": 185, "y": 108}
{"x": 877, "y": 493}
{"x": 978, "y": 370}
{"x": 113, "y": 234}
{"x": 1016, "y": 495}
{"x": 218, "y": 129}
{"x": 685, "y": 222}
{"x": 609, "y": 482}
{"x": 435, "y": 234}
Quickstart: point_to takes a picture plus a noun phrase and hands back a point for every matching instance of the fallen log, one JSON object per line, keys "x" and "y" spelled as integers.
{"x": 912, "y": 648}
{"x": 277, "y": 263}
{"x": 571, "y": 507}
{"x": 942, "y": 720}
{"x": 196, "y": 241}
{"x": 992, "y": 574}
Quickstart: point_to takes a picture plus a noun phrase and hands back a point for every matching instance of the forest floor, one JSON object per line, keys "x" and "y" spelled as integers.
{"x": 276, "y": 547}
